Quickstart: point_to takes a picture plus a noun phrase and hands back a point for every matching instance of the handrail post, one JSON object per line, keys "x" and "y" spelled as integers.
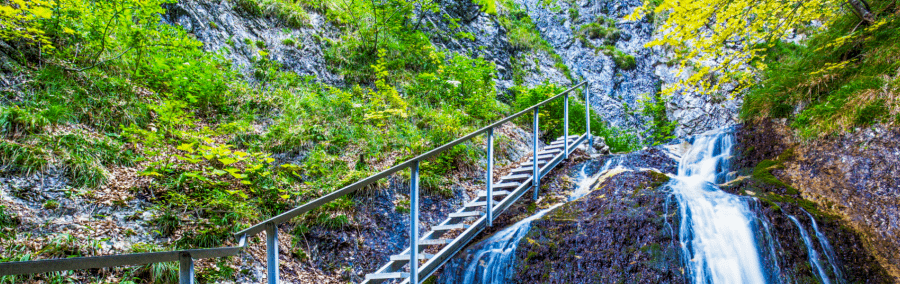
{"x": 186, "y": 268}
{"x": 414, "y": 223}
{"x": 272, "y": 252}
{"x": 536, "y": 176}
{"x": 490, "y": 177}
{"x": 566, "y": 127}
{"x": 587, "y": 118}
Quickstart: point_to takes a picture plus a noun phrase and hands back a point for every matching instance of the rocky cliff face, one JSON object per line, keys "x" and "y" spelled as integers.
{"x": 611, "y": 87}
{"x": 238, "y": 35}
{"x": 851, "y": 177}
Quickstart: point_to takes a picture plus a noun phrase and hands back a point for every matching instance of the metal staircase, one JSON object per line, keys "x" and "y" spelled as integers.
{"x": 447, "y": 238}
{"x": 471, "y": 218}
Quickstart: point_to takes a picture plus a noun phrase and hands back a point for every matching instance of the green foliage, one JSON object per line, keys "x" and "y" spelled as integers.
{"x": 603, "y": 29}
{"x": 841, "y": 76}
{"x": 551, "y": 117}
{"x": 8, "y": 223}
{"x": 661, "y": 129}
{"x": 521, "y": 32}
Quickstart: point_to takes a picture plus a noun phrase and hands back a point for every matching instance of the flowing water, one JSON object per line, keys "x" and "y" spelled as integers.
{"x": 493, "y": 262}
{"x": 724, "y": 237}
{"x": 811, "y": 252}
{"x": 717, "y": 229}
{"x": 826, "y": 247}
{"x": 585, "y": 182}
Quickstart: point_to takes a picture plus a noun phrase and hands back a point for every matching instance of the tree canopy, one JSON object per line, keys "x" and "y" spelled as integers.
{"x": 720, "y": 44}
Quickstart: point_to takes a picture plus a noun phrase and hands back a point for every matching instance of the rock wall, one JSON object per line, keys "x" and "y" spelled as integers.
{"x": 237, "y": 35}
{"x": 610, "y": 87}
{"x": 851, "y": 177}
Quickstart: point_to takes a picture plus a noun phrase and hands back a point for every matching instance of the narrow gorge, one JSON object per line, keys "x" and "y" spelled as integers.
{"x": 727, "y": 146}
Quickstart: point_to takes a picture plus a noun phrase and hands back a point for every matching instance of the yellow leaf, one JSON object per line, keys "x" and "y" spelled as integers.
{"x": 286, "y": 196}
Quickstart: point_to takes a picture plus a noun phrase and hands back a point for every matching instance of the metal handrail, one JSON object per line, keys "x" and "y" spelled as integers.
{"x": 290, "y": 214}
{"x": 186, "y": 257}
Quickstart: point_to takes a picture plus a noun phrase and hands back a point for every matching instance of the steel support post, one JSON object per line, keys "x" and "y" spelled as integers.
{"x": 587, "y": 118}
{"x": 414, "y": 224}
{"x": 536, "y": 176}
{"x": 186, "y": 269}
{"x": 272, "y": 252}
{"x": 566, "y": 126}
{"x": 490, "y": 177}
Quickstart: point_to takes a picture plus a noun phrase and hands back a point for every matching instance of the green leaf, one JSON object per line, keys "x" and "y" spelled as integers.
{"x": 186, "y": 147}
{"x": 227, "y": 161}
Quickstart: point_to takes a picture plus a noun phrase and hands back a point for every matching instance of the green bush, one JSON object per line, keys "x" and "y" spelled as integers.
{"x": 551, "y": 118}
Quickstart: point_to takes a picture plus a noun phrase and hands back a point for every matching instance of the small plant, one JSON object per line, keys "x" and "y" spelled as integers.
{"x": 51, "y": 204}
{"x": 288, "y": 42}
{"x": 260, "y": 44}
{"x": 167, "y": 223}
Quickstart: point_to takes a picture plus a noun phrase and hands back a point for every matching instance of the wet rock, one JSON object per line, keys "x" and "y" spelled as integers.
{"x": 849, "y": 189}
{"x": 621, "y": 232}
{"x": 600, "y": 145}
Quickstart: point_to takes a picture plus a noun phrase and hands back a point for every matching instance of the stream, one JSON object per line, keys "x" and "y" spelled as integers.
{"x": 722, "y": 237}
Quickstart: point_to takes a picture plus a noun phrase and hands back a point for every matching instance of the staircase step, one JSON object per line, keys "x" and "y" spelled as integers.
{"x": 476, "y": 204}
{"x": 545, "y": 157}
{"x": 465, "y": 214}
{"x": 391, "y": 275}
{"x": 560, "y": 141}
{"x": 527, "y": 170}
{"x": 529, "y": 163}
{"x": 435, "y": 242}
{"x": 450, "y": 227}
{"x": 515, "y": 177}
{"x": 495, "y": 193}
{"x": 506, "y": 185}
{"x": 406, "y": 256}
{"x": 553, "y": 151}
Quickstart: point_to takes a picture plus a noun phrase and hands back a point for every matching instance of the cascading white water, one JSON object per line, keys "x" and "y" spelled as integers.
{"x": 493, "y": 262}
{"x": 826, "y": 247}
{"x": 717, "y": 236}
{"x": 811, "y": 252}
{"x": 585, "y": 182}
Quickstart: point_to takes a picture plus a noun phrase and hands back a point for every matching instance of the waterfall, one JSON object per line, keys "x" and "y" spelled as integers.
{"x": 717, "y": 236}
{"x": 493, "y": 262}
{"x": 585, "y": 182}
{"x": 826, "y": 247}
{"x": 811, "y": 251}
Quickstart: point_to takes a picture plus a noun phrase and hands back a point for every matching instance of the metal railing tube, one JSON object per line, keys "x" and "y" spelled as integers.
{"x": 587, "y": 118}
{"x": 290, "y": 214}
{"x": 272, "y": 252}
{"x": 490, "y": 178}
{"x": 566, "y": 126}
{"x": 536, "y": 175}
{"x": 186, "y": 268}
{"x": 414, "y": 223}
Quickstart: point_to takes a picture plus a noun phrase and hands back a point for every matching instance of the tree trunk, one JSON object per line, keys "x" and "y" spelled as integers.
{"x": 861, "y": 9}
